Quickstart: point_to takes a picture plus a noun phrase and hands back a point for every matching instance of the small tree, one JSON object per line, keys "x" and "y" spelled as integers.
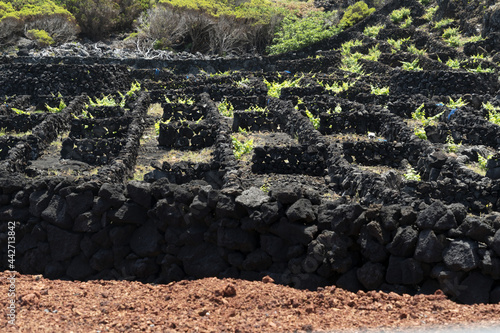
{"x": 163, "y": 27}
{"x": 95, "y": 17}
{"x": 199, "y": 26}
{"x": 227, "y": 35}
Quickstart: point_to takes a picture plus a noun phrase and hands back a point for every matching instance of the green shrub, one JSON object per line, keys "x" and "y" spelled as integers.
{"x": 373, "y": 53}
{"x": 354, "y": 14}
{"x": 451, "y": 146}
{"x": 443, "y": 23}
{"x": 349, "y": 61}
{"x": 257, "y": 11}
{"x": 483, "y": 162}
{"x": 225, "y": 108}
{"x": 398, "y": 15}
{"x": 241, "y": 148}
{"x": 456, "y": 104}
{"x": 474, "y": 39}
{"x": 296, "y": 33}
{"x": 274, "y": 88}
{"x": 345, "y": 48}
{"x": 453, "y": 63}
{"x": 336, "y": 87}
{"x": 104, "y": 101}
{"x": 57, "y": 109}
{"x": 406, "y": 23}
{"x": 430, "y": 12}
{"x": 256, "y": 108}
{"x": 420, "y": 133}
{"x": 350, "y": 64}
{"x": 480, "y": 69}
{"x": 41, "y": 37}
{"x": 314, "y": 120}
{"x": 455, "y": 41}
{"x": 260, "y": 12}
{"x": 419, "y": 113}
{"x": 129, "y": 11}
{"x": 493, "y": 113}
{"x": 411, "y": 174}
{"x": 477, "y": 56}
{"x": 29, "y": 9}
{"x": 411, "y": 66}
{"x": 398, "y": 43}
{"x": 372, "y": 31}
{"x": 379, "y": 90}
{"x": 209, "y": 7}
{"x": 450, "y": 32}
{"x": 414, "y": 50}
{"x": 5, "y": 8}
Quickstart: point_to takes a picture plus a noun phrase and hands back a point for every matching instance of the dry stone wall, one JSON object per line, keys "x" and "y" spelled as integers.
{"x": 338, "y": 187}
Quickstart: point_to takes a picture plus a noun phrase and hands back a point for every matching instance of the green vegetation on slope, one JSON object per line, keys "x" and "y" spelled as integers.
{"x": 208, "y": 26}
{"x": 296, "y": 33}
{"x": 44, "y": 18}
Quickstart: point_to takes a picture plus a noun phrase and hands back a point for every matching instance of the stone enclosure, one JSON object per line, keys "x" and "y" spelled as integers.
{"x": 148, "y": 187}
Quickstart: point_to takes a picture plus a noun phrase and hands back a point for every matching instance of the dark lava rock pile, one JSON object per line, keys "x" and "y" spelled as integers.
{"x": 119, "y": 191}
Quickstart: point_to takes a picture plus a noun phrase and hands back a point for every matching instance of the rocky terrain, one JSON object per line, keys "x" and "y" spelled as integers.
{"x": 365, "y": 162}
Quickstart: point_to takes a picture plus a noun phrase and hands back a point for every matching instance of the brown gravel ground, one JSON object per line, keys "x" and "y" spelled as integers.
{"x": 215, "y": 305}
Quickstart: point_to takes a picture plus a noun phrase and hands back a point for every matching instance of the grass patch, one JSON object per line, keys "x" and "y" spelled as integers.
{"x": 476, "y": 168}
{"x": 198, "y": 156}
{"x": 353, "y": 137}
{"x": 155, "y": 110}
{"x": 378, "y": 169}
